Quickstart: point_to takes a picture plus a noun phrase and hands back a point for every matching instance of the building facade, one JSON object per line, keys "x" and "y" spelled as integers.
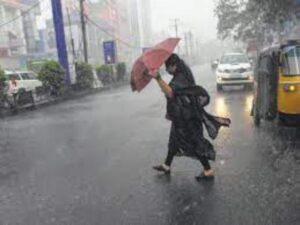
{"x": 12, "y": 38}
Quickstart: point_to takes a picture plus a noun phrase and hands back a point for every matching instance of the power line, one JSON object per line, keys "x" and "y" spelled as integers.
{"x": 87, "y": 18}
{"x": 111, "y": 35}
{"x": 92, "y": 22}
{"x": 18, "y": 17}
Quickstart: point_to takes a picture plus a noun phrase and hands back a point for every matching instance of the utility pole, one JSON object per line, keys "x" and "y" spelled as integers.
{"x": 60, "y": 38}
{"x": 197, "y": 49}
{"x": 186, "y": 44}
{"x": 175, "y": 25}
{"x": 83, "y": 28}
{"x": 191, "y": 44}
{"x": 71, "y": 35}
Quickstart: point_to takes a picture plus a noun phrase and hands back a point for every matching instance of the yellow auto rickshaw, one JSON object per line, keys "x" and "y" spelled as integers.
{"x": 277, "y": 85}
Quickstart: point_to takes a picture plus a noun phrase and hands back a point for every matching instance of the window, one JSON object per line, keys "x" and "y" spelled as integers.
{"x": 234, "y": 59}
{"x": 291, "y": 60}
{"x": 13, "y": 76}
{"x": 28, "y": 76}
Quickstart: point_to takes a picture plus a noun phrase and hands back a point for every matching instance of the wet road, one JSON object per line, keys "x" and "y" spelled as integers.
{"x": 88, "y": 162}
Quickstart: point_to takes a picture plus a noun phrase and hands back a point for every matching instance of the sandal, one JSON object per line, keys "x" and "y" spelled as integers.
{"x": 202, "y": 176}
{"x": 161, "y": 168}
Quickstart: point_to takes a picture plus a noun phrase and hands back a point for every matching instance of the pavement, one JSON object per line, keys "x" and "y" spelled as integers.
{"x": 88, "y": 162}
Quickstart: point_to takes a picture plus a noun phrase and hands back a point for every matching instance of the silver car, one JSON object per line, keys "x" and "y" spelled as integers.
{"x": 234, "y": 69}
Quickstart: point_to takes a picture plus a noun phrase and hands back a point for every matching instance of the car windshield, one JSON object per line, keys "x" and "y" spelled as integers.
{"x": 234, "y": 59}
{"x": 291, "y": 60}
{"x": 28, "y": 76}
{"x": 13, "y": 76}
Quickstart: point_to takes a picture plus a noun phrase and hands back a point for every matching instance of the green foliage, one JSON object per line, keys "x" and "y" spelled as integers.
{"x": 248, "y": 19}
{"x": 52, "y": 75}
{"x": 2, "y": 84}
{"x": 2, "y": 76}
{"x": 84, "y": 75}
{"x": 121, "y": 71}
{"x": 104, "y": 73}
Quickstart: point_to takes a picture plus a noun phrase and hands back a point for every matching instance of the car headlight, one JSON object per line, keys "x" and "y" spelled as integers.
{"x": 221, "y": 70}
{"x": 244, "y": 70}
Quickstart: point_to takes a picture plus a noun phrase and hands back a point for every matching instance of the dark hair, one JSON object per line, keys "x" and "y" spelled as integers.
{"x": 182, "y": 68}
{"x": 172, "y": 60}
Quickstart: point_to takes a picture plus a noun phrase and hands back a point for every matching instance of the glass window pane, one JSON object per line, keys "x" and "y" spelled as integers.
{"x": 234, "y": 59}
{"x": 32, "y": 76}
{"x": 25, "y": 76}
{"x": 28, "y": 76}
{"x": 14, "y": 77}
{"x": 291, "y": 61}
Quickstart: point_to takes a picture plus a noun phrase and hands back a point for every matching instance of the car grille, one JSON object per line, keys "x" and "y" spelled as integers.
{"x": 235, "y": 78}
{"x": 242, "y": 70}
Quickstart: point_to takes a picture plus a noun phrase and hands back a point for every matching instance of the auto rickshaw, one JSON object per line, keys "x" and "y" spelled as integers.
{"x": 277, "y": 85}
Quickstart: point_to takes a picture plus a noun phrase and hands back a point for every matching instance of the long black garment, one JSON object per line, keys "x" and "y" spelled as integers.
{"x": 186, "y": 111}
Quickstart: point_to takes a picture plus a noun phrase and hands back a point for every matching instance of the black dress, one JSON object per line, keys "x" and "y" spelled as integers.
{"x": 186, "y": 111}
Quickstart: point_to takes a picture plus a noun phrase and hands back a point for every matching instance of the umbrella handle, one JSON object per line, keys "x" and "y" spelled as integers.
{"x": 154, "y": 74}
{"x": 158, "y": 75}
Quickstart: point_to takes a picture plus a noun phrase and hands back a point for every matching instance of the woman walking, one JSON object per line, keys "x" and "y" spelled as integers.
{"x": 185, "y": 108}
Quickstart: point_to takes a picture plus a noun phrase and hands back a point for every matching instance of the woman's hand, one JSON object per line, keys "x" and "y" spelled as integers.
{"x": 154, "y": 74}
{"x": 166, "y": 89}
{"x": 158, "y": 76}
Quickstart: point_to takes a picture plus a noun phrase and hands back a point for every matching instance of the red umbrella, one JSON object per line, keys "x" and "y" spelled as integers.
{"x": 150, "y": 62}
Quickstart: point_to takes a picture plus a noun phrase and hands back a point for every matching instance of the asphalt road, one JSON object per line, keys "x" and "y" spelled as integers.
{"x": 88, "y": 162}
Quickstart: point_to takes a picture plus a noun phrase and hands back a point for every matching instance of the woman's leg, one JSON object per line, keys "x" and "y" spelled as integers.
{"x": 205, "y": 163}
{"x": 171, "y": 146}
{"x": 208, "y": 173}
{"x": 203, "y": 159}
{"x": 170, "y": 157}
{"x": 165, "y": 167}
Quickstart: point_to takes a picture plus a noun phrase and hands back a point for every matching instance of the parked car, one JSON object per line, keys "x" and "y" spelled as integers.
{"x": 25, "y": 80}
{"x": 234, "y": 69}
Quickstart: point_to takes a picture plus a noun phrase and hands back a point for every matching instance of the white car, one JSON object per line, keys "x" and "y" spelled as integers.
{"x": 234, "y": 69}
{"x": 22, "y": 80}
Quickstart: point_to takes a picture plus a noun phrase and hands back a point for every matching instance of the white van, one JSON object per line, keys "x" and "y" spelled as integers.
{"x": 22, "y": 79}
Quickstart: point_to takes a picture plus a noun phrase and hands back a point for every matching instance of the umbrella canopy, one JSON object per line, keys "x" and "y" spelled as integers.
{"x": 150, "y": 62}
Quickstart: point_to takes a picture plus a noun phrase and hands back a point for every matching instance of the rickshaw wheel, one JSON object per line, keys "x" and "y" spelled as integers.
{"x": 256, "y": 121}
{"x": 256, "y": 117}
{"x": 248, "y": 87}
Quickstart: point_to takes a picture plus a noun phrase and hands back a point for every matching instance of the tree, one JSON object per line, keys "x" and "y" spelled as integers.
{"x": 105, "y": 73}
{"x": 121, "y": 71}
{"x": 248, "y": 19}
{"x": 84, "y": 75}
{"x": 3, "y": 88}
{"x": 2, "y": 83}
{"x": 52, "y": 75}
{"x": 2, "y": 76}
